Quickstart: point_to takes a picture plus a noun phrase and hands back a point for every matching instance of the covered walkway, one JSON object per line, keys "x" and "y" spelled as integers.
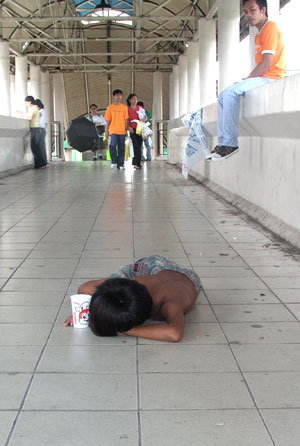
{"x": 234, "y": 378}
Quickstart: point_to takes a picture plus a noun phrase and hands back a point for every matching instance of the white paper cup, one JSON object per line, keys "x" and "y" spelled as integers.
{"x": 80, "y": 310}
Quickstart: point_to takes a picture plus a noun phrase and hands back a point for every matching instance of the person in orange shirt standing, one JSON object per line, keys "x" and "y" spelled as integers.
{"x": 116, "y": 117}
{"x": 270, "y": 60}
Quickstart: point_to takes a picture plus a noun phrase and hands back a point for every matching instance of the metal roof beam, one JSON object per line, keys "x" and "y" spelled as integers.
{"x": 131, "y": 54}
{"x": 105, "y": 64}
{"x": 213, "y": 10}
{"x": 99, "y": 39}
{"x": 174, "y": 18}
{"x": 158, "y": 7}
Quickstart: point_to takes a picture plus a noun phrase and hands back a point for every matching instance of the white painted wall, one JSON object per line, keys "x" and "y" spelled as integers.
{"x": 263, "y": 178}
{"x": 15, "y": 153}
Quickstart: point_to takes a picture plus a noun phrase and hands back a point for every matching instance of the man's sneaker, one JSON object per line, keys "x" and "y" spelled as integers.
{"x": 222, "y": 152}
{"x": 227, "y": 151}
{"x": 217, "y": 149}
{"x": 112, "y": 166}
{"x": 122, "y": 168}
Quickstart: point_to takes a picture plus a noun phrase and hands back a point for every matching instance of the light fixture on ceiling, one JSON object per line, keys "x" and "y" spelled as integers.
{"x": 103, "y": 5}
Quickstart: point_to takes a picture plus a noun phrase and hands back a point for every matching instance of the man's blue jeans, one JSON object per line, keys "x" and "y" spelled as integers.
{"x": 117, "y": 157}
{"x": 229, "y": 108}
{"x": 148, "y": 148}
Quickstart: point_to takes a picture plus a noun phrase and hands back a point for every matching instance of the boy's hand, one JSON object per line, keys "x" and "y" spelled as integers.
{"x": 68, "y": 321}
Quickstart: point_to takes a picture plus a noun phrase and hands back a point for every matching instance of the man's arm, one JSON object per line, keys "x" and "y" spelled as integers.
{"x": 170, "y": 331}
{"x": 107, "y": 129}
{"x": 263, "y": 66}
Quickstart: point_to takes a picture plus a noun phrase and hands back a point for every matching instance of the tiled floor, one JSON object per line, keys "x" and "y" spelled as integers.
{"x": 234, "y": 378}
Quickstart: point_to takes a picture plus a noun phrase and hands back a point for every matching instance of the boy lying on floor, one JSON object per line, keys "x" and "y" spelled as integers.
{"x": 153, "y": 287}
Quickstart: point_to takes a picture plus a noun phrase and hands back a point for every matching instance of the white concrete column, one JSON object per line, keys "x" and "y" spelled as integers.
{"x": 273, "y": 10}
{"x": 193, "y": 77}
{"x": 171, "y": 95}
{"x": 207, "y": 61}
{"x": 13, "y": 111}
{"x": 21, "y": 82}
{"x": 157, "y": 109}
{"x": 58, "y": 106}
{"x": 176, "y": 90}
{"x": 45, "y": 98}
{"x": 228, "y": 42}
{"x": 35, "y": 81}
{"x": 4, "y": 79}
{"x": 183, "y": 85}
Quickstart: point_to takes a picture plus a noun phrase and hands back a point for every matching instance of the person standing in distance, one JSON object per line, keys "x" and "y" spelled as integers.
{"x": 116, "y": 117}
{"x": 36, "y": 134}
{"x": 99, "y": 122}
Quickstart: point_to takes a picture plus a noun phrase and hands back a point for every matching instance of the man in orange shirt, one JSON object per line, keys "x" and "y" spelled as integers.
{"x": 116, "y": 117}
{"x": 270, "y": 60}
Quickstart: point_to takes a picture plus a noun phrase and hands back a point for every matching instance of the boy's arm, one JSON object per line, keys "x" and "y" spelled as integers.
{"x": 106, "y": 129}
{"x": 170, "y": 331}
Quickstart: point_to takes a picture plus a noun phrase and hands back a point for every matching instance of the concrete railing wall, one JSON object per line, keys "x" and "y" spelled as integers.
{"x": 263, "y": 179}
{"x": 15, "y": 153}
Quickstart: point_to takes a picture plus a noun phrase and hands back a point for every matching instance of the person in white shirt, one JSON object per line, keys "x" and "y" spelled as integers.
{"x": 40, "y": 105}
{"x": 100, "y": 123}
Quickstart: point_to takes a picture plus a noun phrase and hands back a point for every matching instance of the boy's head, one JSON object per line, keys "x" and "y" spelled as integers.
{"x": 141, "y": 103}
{"x": 254, "y": 7}
{"x": 118, "y": 305}
{"x": 93, "y": 108}
{"x": 117, "y": 94}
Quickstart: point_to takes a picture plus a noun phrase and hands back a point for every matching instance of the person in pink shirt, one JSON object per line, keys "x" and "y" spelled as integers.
{"x": 137, "y": 140}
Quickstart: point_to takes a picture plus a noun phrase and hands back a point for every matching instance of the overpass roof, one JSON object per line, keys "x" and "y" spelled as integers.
{"x": 85, "y": 35}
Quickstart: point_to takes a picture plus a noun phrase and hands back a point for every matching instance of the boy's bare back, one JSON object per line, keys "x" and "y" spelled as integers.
{"x": 169, "y": 285}
{"x": 173, "y": 294}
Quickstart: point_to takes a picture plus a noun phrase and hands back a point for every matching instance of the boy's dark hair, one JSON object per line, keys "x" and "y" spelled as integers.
{"x": 39, "y": 103}
{"x": 93, "y": 105}
{"x": 261, "y": 4}
{"x": 118, "y": 305}
{"x": 141, "y": 103}
{"x": 129, "y": 97}
{"x": 30, "y": 99}
{"x": 117, "y": 91}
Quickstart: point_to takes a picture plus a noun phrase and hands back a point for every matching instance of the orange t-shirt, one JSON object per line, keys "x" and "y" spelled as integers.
{"x": 269, "y": 40}
{"x": 117, "y": 115}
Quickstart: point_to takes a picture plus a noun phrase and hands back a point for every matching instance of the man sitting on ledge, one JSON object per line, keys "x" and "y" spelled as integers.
{"x": 270, "y": 60}
{"x": 153, "y": 287}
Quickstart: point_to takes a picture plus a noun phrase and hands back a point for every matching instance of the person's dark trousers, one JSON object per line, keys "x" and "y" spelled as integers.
{"x": 137, "y": 142}
{"x": 43, "y": 145}
{"x": 117, "y": 157}
{"x": 36, "y": 144}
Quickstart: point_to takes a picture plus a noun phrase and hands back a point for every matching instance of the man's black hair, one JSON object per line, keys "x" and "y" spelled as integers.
{"x": 30, "y": 99}
{"x": 118, "y": 305}
{"x": 129, "y": 97}
{"x": 93, "y": 105}
{"x": 117, "y": 91}
{"x": 261, "y": 4}
{"x": 39, "y": 103}
{"x": 141, "y": 103}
